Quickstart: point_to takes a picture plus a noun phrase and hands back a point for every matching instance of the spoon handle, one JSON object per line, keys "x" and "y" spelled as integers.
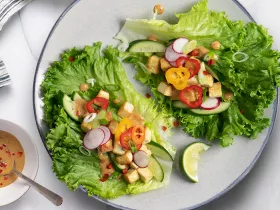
{"x": 51, "y": 196}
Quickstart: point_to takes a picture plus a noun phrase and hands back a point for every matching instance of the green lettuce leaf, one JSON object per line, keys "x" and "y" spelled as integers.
{"x": 65, "y": 136}
{"x": 253, "y": 82}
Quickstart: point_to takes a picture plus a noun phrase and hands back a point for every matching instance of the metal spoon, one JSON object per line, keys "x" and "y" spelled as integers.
{"x": 51, "y": 196}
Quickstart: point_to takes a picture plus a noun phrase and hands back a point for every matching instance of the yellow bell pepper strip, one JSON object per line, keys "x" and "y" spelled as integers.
{"x": 124, "y": 125}
{"x": 178, "y": 77}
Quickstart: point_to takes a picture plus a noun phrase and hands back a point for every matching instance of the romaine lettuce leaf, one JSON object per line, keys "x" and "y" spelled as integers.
{"x": 253, "y": 82}
{"x": 65, "y": 136}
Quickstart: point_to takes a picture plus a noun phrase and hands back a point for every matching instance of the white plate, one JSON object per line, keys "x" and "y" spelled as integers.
{"x": 18, "y": 188}
{"x": 220, "y": 168}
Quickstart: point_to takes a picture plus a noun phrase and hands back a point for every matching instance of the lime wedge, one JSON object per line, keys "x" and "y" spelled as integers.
{"x": 190, "y": 158}
{"x": 190, "y": 46}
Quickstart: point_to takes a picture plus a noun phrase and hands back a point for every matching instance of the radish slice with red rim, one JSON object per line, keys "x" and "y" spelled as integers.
{"x": 93, "y": 138}
{"x": 179, "y": 44}
{"x": 141, "y": 159}
{"x": 171, "y": 55}
{"x": 210, "y": 103}
{"x": 107, "y": 134}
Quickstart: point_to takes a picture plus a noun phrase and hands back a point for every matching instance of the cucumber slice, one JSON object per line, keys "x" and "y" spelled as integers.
{"x": 146, "y": 46}
{"x": 69, "y": 107}
{"x": 159, "y": 151}
{"x": 212, "y": 72}
{"x": 156, "y": 169}
{"x": 180, "y": 105}
{"x": 189, "y": 159}
{"x": 223, "y": 107}
{"x": 118, "y": 167}
{"x": 76, "y": 96}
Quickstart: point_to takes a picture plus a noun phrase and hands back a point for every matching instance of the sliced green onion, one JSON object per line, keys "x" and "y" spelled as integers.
{"x": 112, "y": 87}
{"x": 103, "y": 121}
{"x": 84, "y": 151}
{"x": 91, "y": 81}
{"x": 244, "y": 55}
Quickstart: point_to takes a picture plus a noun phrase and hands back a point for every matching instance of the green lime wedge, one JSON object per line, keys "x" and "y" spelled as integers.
{"x": 190, "y": 46}
{"x": 190, "y": 158}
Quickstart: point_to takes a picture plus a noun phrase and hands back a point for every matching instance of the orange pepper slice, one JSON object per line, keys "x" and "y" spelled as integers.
{"x": 178, "y": 77}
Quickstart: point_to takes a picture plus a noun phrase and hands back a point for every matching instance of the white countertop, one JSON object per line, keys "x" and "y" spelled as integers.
{"x": 21, "y": 42}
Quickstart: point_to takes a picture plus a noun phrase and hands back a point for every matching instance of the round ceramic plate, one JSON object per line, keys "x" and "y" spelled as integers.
{"x": 87, "y": 21}
{"x": 18, "y": 188}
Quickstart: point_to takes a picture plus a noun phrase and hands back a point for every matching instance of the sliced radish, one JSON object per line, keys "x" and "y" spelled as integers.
{"x": 179, "y": 44}
{"x": 171, "y": 55}
{"x": 107, "y": 134}
{"x": 141, "y": 159}
{"x": 210, "y": 103}
{"x": 93, "y": 138}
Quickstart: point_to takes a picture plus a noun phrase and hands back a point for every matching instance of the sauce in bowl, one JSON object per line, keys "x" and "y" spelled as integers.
{"x": 10, "y": 151}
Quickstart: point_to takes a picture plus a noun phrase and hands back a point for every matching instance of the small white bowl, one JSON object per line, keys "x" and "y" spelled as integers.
{"x": 18, "y": 188}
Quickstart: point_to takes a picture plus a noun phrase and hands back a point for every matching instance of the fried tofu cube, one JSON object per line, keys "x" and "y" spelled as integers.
{"x": 145, "y": 149}
{"x": 131, "y": 176}
{"x": 153, "y": 64}
{"x": 125, "y": 110}
{"x": 133, "y": 165}
{"x": 136, "y": 119}
{"x": 103, "y": 94}
{"x": 148, "y": 135}
{"x": 164, "y": 64}
{"x": 216, "y": 90}
{"x": 193, "y": 81}
{"x": 108, "y": 147}
{"x": 165, "y": 89}
{"x": 118, "y": 150}
{"x": 207, "y": 80}
{"x": 113, "y": 126}
{"x": 145, "y": 174}
{"x": 175, "y": 94}
{"x": 125, "y": 159}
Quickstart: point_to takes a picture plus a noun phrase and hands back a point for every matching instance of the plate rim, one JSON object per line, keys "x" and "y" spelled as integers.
{"x": 108, "y": 202}
{"x": 37, "y": 155}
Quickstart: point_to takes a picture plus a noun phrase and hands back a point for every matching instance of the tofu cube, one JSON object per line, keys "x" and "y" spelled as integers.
{"x": 145, "y": 174}
{"x": 145, "y": 149}
{"x": 125, "y": 159}
{"x": 148, "y": 135}
{"x": 108, "y": 147}
{"x": 103, "y": 94}
{"x": 153, "y": 64}
{"x": 175, "y": 94}
{"x": 131, "y": 176}
{"x": 118, "y": 150}
{"x": 207, "y": 80}
{"x": 193, "y": 81}
{"x": 113, "y": 126}
{"x": 164, "y": 64}
{"x": 125, "y": 110}
{"x": 133, "y": 165}
{"x": 165, "y": 89}
{"x": 136, "y": 119}
{"x": 216, "y": 90}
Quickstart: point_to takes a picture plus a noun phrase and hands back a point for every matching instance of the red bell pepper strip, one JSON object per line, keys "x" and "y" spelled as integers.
{"x": 192, "y": 65}
{"x": 103, "y": 102}
{"x": 197, "y": 91}
{"x": 126, "y": 137}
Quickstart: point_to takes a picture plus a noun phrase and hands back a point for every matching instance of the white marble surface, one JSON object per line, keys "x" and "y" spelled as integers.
{"x": 21, "y": 42}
